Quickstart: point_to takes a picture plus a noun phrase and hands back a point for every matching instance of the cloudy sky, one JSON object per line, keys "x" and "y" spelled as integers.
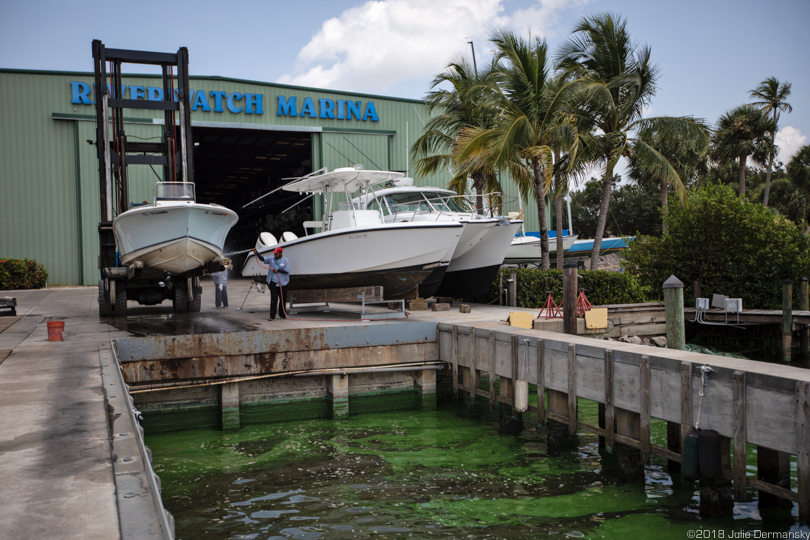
{"x": 711, "y": 53}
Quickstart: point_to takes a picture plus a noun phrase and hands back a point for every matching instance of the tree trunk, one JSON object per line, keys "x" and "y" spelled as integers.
{"x": 478, "y": 185}
{"x": 558, "y": 215}
{"x": 743, "y": 159}
{"x": 664, "y": 203}
{"x": 768, "y": 181}
{"x": 540, "y": 185}
{"x": 607, "y": 183}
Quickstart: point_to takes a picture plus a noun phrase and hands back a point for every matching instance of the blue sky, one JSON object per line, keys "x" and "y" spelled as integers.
{"x": 711, "y": 53}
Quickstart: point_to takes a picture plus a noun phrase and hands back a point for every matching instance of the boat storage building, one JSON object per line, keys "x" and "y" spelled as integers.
{"x": 248, "y": 137}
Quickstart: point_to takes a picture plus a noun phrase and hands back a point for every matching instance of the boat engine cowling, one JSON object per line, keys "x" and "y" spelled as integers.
{"x": 265, "y": 240}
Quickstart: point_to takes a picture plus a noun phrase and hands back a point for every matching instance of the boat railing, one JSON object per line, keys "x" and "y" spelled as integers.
{"x": 453, "y": 206}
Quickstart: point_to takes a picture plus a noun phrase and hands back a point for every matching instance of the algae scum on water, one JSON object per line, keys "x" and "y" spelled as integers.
{"x": 418, "y": 474}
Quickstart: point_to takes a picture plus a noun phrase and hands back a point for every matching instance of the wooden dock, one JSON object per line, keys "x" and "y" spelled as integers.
{"x": 767, "y": 405}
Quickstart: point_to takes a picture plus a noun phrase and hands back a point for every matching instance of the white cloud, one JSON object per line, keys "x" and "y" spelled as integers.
{"x": 379, "y": 44}
{"x": 789, "y": 140}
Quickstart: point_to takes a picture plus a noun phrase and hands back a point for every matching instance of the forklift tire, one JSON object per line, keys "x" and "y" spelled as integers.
{"x": 195, "y": 305}
{"x": 105, "y": 308}
{"x": 180, "y": 300}
{"x": 120, "y": 301}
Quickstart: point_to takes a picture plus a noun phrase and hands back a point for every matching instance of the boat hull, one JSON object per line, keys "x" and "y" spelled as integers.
{"x": 478, "y": 256}
{"x": 397, "y": 257}
{"x": 526, "y": 249}
{"x": 173, "y": 238}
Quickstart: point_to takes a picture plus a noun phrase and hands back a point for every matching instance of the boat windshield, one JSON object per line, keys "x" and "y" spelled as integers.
{"x": 407, "y": 202}
{"x": 174, "y": 191}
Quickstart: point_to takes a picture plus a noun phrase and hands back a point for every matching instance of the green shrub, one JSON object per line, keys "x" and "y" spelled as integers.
{"x": 601, "y": 287}
{"x": 733, "y": 246}
{"x": 16, "y": 274}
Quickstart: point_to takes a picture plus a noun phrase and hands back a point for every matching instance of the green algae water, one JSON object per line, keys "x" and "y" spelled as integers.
{"x": 424, "y": 474}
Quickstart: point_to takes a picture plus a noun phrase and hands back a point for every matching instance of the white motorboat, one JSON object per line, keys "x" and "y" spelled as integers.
{"x": 525, "y": 248}
{"x": 174, "y": 234}
{"x": 355, "y": 247}
{"x": 480, "y": 250}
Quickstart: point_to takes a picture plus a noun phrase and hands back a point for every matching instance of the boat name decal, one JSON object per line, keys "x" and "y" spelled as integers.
{"x": 219, "y": 101}
{"x": 357, "y": 236}
{"x": 213, "y": 213}
{"x": 155, "y": 213}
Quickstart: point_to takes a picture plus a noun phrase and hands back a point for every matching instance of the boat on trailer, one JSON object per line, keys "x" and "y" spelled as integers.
{"x": 174, "y": 234}
{"x": 354, "y": 247}
{"x": 479, "y": 252}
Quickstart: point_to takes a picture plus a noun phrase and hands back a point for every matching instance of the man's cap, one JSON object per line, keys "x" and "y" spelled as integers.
{"x": 278, "y": 250}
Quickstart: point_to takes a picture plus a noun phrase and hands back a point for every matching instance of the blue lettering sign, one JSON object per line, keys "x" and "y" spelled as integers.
{"x": 371, "y": 113}
{"x": 136, "y": 92}
{"x": 232, "y": 99}
{"x": 327, "y": 108}
{"x": 286, "y": 107}
{"x": 112, "y": 94}
{"x": 80, "y": 93}
{"x": 218, "y": 97}
{"x": 309, "y": 108}
{"x": 341, "y": 104}
{"x": 198, "y": 99}
{"x": 353, "y": 107}
{"x": 253, "y": 104}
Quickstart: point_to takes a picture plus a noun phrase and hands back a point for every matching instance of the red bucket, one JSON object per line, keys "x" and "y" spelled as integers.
{"x": 56, "y": 330}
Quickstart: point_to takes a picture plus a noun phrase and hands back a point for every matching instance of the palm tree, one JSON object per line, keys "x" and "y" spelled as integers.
{"x": 771, "y": 95}
{"x": 686, "y": 156}
{"x": 619, "y": 82}
{"x": 742, "y": 132}
{"x": 462, "y": 104}
{"x": 530, "y": 126}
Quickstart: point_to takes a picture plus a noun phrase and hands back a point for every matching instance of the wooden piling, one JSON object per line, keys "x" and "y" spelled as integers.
{"x": 572, "y": 389}
{"x": 673, "y": 306}
{"x": 803, "y": 455}
{"x": 610, "y": 411}
{"x": 644, "y": 405}
{"x": 454, "y": 357}
{"x": 493, "y": 398}
{"x": 787, "y": 319}
{"x": 475, "y": 375}
{"x": 738, "y": 470}
{"x": 541, "y": 383}
{"x": 570, "y": 298}
{"x": 804, "y": 305}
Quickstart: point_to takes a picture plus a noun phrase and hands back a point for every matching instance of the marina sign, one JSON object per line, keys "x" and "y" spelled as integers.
{"x": 247, "y": 103}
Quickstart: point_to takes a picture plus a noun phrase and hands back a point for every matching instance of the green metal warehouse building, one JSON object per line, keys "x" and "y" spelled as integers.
{"x": 248, "y": 137}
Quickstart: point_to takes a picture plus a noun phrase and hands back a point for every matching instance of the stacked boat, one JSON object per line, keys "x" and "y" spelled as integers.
{"x": 480, "y": 251}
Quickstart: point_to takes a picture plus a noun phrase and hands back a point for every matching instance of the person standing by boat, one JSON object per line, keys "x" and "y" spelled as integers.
{"x": 278, "y": 277}
{"x": 221, "y": 288}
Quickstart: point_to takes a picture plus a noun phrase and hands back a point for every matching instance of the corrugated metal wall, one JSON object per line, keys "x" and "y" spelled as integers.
{"x": 49, "y": 207}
